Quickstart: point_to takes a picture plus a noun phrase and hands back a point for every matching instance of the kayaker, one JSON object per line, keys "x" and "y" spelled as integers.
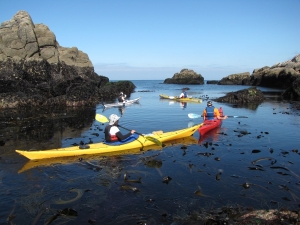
{"x": 112, "y": 132}
{"x": 122, "y": 97}
{"x": 211, "y": 112}
{"x": 183, "y": 94}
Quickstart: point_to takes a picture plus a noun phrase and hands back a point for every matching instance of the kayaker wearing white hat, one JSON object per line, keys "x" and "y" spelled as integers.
{"x": 211, "y": 112}
{"x": 122, "y": 97}
{"x": 112, "y": 132}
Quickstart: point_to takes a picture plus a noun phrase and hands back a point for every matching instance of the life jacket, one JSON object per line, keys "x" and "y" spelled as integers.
{"x": 185, "y": 95}
{"x": 109, "y": 137}
{"x": 210, "y": 114}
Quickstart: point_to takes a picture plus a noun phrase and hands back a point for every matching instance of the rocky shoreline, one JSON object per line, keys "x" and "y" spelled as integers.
{"x": 285, "y": 76}
{"x": 36, "y": 71}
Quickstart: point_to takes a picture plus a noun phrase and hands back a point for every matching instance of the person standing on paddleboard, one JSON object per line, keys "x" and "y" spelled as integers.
{"x": 112, "y": 132}
{"x": 211, "y": 113}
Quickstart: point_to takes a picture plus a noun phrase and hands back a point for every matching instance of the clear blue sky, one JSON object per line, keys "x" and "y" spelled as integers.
{"x": 152, "y": 40}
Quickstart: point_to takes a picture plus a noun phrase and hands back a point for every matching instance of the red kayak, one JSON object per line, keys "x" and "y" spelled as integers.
{"x": 210, "y": 124}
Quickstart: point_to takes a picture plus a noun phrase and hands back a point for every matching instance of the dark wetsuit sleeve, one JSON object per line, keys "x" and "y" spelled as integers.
{"x": 106, "y": 132}
{"x": 121, "y": 137}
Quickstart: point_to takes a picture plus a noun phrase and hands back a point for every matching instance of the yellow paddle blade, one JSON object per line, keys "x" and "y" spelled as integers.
{"x": 101, "y": 118}
{"x": 154, "y": 140}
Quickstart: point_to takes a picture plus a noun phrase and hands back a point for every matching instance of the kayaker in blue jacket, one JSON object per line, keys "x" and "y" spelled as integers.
{"x": 183, "y": 94}
{"x": 211, "y": 113}
{"x": 112, "y": 132}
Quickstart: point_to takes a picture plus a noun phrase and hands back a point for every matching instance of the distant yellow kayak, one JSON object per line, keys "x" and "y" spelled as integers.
{"x": 139, "y": 142}
{"x": 176, "y": 98}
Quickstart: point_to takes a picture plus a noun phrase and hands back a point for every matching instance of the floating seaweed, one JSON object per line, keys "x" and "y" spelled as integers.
{"x": 261, "y": 159}
{"x": 128, "y": 187}
{"x": 67, "y": 212}
{"x": 79, "y": 195}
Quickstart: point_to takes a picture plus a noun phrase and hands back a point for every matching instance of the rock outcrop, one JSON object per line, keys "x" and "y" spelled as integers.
{"x": 36, "y": 71}
{"x": 236, "y": 79}
{"x": 212, "y": 82}
{"x": 293, "y": 92}
{"x": 250, "y": 95}
{"x": 283, "y": 75}
{"x": 185, "y": 76}
{"x": 22, "y": 39}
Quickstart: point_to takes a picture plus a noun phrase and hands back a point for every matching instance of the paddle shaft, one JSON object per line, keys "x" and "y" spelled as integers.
{"x": 198, "y": 116}
{"x": 154, "y": 140}
{"x": 130, "y": 130}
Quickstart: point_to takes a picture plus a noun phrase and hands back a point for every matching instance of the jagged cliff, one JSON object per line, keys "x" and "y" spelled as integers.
{"x": 36, "y": 71}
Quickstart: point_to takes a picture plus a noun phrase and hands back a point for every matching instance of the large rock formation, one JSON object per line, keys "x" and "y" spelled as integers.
{"x": 236, "y": 79}
{"x": 36, "y": 71}
{"x": 185, "y": 77}
{"x": 21, "y": 39}
{"x": 280, "y": 75}
{"x": 212, "y": 82}
{"x": 250, "y": 95}
{"x": 284, "y": 75}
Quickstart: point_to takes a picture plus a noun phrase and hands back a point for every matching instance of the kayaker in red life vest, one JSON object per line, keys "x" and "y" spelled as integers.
{"x": 211, "y": 113}
{"x": 112, "y": 132}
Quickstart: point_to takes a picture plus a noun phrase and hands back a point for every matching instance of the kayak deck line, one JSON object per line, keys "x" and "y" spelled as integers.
{"x": 100, "y": 148}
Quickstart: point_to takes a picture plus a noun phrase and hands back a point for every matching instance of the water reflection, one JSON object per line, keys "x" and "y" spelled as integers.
{"x": 37, "y": 128}
{"x": 205, "y": 177}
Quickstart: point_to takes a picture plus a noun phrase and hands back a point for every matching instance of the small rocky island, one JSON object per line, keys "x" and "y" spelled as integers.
{"x": 185, "y": 76}
{"x": 36, "y": 71}
{"x": 249, "y": 95}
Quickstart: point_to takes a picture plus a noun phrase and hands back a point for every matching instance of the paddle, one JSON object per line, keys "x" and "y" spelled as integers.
{"x": 103, "y": 119}
{"x": 194, "y": 116}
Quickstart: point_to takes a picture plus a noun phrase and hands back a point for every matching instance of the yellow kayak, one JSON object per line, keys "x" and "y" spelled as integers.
{"x": 140, "y": 142}
{"x": 190, "y": 140}
{"x": 176, "y": 98}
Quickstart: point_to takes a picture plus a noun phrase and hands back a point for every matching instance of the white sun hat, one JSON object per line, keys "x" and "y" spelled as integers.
{"x": 113, "y": 118}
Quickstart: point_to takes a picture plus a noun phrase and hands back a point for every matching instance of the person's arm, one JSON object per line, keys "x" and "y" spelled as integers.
{"x": 222, "y": 117}
{"x": 204, "y": 114}
{"x": 121, "y": 137}
{"x": 218, "y": 115}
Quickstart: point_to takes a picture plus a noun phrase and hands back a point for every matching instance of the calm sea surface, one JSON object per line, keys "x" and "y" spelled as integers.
{"x": 249, "y": 162}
